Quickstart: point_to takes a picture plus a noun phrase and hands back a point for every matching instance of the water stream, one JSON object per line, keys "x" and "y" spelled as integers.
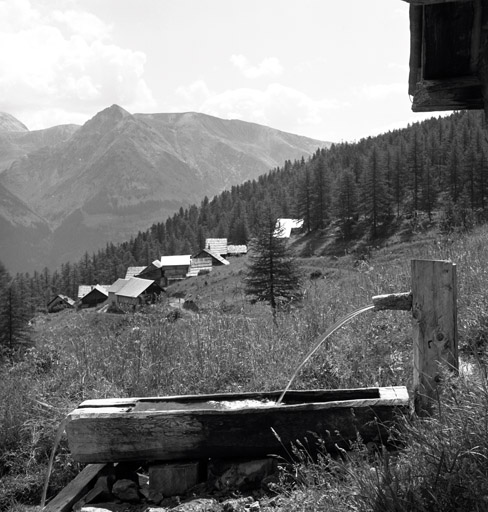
{"x": 332, "y": 329}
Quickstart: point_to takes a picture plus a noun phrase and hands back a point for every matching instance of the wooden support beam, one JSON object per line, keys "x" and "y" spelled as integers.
{"x": 434, "y": 327}
{"x": 76, "y": 489}
{"x": 396, "y": 301}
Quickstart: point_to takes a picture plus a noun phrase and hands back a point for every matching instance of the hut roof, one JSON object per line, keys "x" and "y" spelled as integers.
{"x": 284, "y": 227}
{"x": 175, "y": 261}
{"x": 134, "y": 287}
{"x": 215, "y": 256}
{"x": 69, "y": 301}
{"x": 134, "y": 271}
{"x": 118, "y": 285}
{"x": 448, "y": 54}
{"x": 216, "y": 245}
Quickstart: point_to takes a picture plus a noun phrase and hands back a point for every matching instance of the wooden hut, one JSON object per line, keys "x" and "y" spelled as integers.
{"x": 60, "y": 302}
{"x": 136, "y": 291}
{"x": 206, "y": 260}
{"x": 174, "y": 268}
{"x": 448, "y": 54}
{"x": 97, "y": 295}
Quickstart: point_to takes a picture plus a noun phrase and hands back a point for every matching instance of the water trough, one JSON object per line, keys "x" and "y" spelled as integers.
{"x": 229, "y": 425}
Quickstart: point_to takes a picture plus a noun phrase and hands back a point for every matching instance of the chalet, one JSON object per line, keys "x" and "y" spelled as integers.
{"x": 97, "y": 295}
{"x": 136, "y": 291}
{"x": 285, "y": 227}
{"x": 60, "y": 302}
{"x": 115, "y": 288}
{"x": 448, "y": 55}
{"x": 205, "y": 260}
{"x": 217, "y": 245}
{"x": 173, "y": 268}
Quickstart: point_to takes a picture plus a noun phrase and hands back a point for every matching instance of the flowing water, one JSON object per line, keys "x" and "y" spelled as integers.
{"x": 329, "y": 332}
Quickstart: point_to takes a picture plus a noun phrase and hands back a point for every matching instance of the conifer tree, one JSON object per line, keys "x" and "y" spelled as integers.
{"x": 272, "y": 275}
{"x": 345, "y": 204}
{"x": 376, "y": 201}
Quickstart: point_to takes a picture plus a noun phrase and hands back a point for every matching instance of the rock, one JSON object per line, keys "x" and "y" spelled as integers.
{"x": 172, "y": 479}
{"x": 199, "y": 505}
{"x": 126, "y": 490}
{"x": 239, "y": 504}
{"x": 239, "y": 474}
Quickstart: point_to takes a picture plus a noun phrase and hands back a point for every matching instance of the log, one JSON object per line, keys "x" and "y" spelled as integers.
{"x": 434, "y": 328}
{"x": 197, "y": 427}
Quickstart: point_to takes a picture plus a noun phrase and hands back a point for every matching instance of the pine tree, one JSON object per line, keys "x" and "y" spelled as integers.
{"x": 345, "y": 201}
{"x": 272, "y": 275}
{"x": 376, "y": 201}
{"x": 14, "y": 316}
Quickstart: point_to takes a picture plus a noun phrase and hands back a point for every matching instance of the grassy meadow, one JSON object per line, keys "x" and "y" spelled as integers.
{"x": 226, "y": 344}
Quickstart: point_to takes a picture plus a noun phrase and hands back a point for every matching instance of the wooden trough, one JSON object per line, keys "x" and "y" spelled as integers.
{"x": 229, "y": 425}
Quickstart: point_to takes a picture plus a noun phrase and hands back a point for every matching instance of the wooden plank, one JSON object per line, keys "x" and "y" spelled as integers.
{"x": 76, "y": 489}
{"x": 198, "y": 432}
{"x": 434, "y": 327}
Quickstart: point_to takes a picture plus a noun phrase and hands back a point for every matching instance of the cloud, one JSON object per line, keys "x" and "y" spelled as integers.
{"x": 378, "y": 91}
{"x": 270, "y": 66}
{"x": 54, "y": 60}
{"x": 276, "y": 105}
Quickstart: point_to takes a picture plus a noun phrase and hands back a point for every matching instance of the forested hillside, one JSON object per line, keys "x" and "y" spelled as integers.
{"x": 435, "y": 171}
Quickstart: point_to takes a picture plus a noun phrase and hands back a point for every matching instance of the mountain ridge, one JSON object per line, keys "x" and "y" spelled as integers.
{"x": 120, "y": 172}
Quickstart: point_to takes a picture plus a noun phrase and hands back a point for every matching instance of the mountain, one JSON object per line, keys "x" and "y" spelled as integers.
{"x": 23, "y": 233}
{"x": 16, "y": 141}
{"x": 9, "y": 123}
{"x": 119, "y": 173}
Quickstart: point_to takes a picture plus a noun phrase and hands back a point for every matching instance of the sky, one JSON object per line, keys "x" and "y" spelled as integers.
{"x": 333, "y": 70}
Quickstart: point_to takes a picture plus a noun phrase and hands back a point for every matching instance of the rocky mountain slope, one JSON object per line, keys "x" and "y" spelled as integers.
{"x": 119, "y": 173}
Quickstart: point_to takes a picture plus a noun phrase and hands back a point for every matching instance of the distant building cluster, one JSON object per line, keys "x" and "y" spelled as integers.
{"x": 143, "y": 284}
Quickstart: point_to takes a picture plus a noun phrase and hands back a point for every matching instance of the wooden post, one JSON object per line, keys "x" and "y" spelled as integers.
{"x": 434, "y": 327}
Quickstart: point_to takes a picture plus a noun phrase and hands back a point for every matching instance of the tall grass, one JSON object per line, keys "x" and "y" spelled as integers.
{"x": 81, "y": 355}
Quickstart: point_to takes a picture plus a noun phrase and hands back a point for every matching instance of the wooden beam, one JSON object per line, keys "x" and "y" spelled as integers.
{"x": 76, "y": 489}
{"x": 452, "y": 94}
{"x": 395, "y": 301}
{"x": 434, "y": 327}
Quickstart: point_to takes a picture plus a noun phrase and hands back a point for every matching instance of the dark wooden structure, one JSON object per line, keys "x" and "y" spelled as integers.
{"x": 448, "y": 54}
{"x": 60, "y": 302}
{"x": 97, "y": 295}
{"x": 229, "y": 425}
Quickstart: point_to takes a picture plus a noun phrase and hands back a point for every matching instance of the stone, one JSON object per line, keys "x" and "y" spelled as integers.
{"x": 238, "y": 504}
{"x": 199, "y": 505}
{"x": 126, "y": 490}
{"x": 239, "y": 474}
{"x": 172, "y": 479}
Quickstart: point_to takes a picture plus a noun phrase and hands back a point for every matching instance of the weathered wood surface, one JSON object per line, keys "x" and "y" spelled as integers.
{"x": 75, "y": 490}
{"x": 434, "y": 327}
{"x": 448, "y": 94}
{"x": 173, "y": 428}
{"x": 395, "y": 301}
